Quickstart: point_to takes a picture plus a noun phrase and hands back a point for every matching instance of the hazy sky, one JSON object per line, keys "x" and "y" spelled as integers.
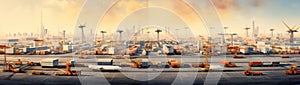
{"x": 25, "y": 15}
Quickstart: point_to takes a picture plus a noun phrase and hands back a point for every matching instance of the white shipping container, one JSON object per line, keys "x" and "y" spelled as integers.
{"x": 104, "y": 67}
{"x": 65, "y": 47}
{"x": 108, "y": 61}
{"x": 49, "y": 62}
{"x": 267, "y": 63}
{"x": 9, "y": 51}
{"x": 111, "y": 50}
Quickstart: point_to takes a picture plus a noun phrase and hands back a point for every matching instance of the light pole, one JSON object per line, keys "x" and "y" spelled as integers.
{"x": 158, "y": 31}
{"x": 64, "y": 34}
{"x": 231, "y": 35}
{"x": 271, "y": 32}
{"x": 225, "y": 28}
{"x": 186, "y": 32}
{"x": 103, "y": 32}
{"x": 247, "y": 28}
{"x": 120, "y": 31}
{"x": 82, "y": 35}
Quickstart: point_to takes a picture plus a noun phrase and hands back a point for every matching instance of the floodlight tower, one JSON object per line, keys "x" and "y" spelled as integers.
{"x": 247, "y": 28}
{"x": 103, "y": 32}
{"x": 271, "y": 32}
{"x": 64, "y": 36}
{"x": 81, "y": 26}
{"x": 225, "y": 28}
{"x": 231, "y": 35}
{"x": 158, "y": 31}
{"x": 120, "y": 31}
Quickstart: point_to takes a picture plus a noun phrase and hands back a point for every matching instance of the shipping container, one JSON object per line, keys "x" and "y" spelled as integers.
{"x": 105, "y": 61}
{"x": 10, "y": 50}
{"x": 50, "y": 62}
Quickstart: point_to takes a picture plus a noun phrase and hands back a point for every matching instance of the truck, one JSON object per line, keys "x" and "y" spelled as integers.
{"x": 49, "y": 62}
{"x": 107, "y": 61}
{"x": 263, "y": 64}
{"x": 168, "y": 49}
{"x": 145, "y": 63}
{"x": 105, "y": 65}
{"x": 173, "y": 63}
{"x": 67, "y": 48}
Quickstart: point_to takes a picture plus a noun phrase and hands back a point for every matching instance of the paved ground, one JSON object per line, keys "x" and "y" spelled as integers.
{"x": 231, "y": 76}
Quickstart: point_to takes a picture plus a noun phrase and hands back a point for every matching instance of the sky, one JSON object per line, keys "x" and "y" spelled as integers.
{"x": 25, "y": 15}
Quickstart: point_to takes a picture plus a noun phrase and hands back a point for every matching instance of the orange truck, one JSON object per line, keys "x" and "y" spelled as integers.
{"x": 248, "y": 72}
{"x": 173, "y": 63}
{"x": 261, "y": 64}
{"x": 202, "y": 65}
{"x": 255, "y": 64}
{"x": 228, "y": 64}
{"x": 140, "y": 63}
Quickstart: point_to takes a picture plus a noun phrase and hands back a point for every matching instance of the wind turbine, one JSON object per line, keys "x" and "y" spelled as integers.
{"x": 81, "y": 26}
{"x": 291, "y": 31}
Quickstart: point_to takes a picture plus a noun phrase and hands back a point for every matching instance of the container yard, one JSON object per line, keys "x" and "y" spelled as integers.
{"x": 149, "y": 42}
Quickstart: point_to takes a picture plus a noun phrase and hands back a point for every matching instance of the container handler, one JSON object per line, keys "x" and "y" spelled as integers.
{"x": 248, "y": 72}
{"x": 174, "y": 64}
{"x": 292, "y": 71}
{"x": 228, "y": 64}
{"x": 68, "y": 71}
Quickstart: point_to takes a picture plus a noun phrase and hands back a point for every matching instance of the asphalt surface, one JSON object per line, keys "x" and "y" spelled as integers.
{"x": 154, "y": 76}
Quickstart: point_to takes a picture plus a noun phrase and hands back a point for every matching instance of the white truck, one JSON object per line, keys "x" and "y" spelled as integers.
{"x": 105, "y": 65}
